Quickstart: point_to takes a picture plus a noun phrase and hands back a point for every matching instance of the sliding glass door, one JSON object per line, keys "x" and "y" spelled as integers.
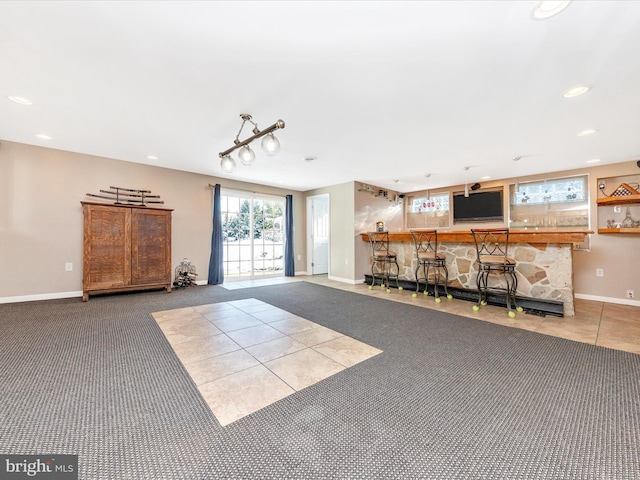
{"x": 253, "y": 233}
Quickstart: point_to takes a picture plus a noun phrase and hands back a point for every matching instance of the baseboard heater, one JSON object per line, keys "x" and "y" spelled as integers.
{"x": 534, "y": 306}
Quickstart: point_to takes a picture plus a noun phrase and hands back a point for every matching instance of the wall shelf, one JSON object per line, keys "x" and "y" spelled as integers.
{"x": 621, "y": 200}
{"x": 618, "y": 214}
{"x": 619, "y": 230}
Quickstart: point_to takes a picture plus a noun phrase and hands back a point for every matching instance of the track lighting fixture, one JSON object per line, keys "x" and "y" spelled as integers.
{"x": 270, "y": 144}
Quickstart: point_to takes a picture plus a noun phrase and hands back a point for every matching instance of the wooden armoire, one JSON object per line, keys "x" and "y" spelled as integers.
{"x": 125, "y": 248}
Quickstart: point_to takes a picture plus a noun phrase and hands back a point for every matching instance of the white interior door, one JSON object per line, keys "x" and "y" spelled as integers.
{"x": 318, "y": 232}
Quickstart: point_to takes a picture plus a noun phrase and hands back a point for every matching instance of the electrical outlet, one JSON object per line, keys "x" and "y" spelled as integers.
{"x": 599, "y": 272}
{"x": 629, "y": 293}
{"x": 68, "y": 267}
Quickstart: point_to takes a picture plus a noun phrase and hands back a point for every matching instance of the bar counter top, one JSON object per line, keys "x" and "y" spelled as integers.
{"x": 515, "y": 236}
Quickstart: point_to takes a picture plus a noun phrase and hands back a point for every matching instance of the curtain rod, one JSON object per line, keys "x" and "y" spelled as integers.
{"x": 250, "y": 191}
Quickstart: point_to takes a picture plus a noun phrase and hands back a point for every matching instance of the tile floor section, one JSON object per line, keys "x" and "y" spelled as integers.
{"x": 246, "y": 354}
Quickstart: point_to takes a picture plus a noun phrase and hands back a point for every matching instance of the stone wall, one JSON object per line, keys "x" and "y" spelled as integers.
{"x": 544, "y": 271}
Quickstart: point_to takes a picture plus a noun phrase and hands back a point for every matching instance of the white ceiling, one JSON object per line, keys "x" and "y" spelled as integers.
{"x": 380, "y": 92}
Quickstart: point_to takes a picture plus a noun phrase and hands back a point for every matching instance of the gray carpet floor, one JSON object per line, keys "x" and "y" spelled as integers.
{"x": 450, "y": 397}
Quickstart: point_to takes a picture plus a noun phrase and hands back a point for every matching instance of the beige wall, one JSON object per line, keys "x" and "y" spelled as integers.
{"x": 370, "y": 209}
{"x": 41, "y": 222}
{"x": 41, "y": 216}
{"x": 617, "y": 254}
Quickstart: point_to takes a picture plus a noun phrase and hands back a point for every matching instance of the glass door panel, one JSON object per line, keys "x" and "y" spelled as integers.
{"x": 253, "y": 234}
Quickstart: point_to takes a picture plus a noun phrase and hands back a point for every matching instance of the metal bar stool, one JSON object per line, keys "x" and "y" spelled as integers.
{"x": 426, "y": 243}
{"x": 383, "y": 260}
{"x": 492, "y": 246}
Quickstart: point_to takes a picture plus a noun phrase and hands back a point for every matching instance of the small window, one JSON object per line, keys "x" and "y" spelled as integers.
{"x": 555, "y": 203}
{"x": 428, "y": 211}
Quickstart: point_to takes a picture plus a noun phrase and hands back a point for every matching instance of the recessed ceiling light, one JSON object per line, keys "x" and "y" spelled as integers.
{"x": 589, "y": 131}
{"x": 486, "y": 177}
{"x": 593, "y": 160}
{"x": 576, "y": 91}
{"x": 152, "y": 157}
{"x": 43, "y": 136}
{"x": 20, "y": 100}
{"x": 548, "y": 8}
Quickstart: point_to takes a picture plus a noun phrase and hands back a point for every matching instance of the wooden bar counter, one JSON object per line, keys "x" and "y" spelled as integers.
{"x": 544, "y": 260}
{"x": 515, "y": 236}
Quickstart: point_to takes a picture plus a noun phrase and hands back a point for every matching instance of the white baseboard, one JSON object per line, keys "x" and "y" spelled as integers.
{"x": 58, "y": 295}
{"x": 620, "y": 301}
{"x": 345, "y": 280}
{"x": 41, "y": 296}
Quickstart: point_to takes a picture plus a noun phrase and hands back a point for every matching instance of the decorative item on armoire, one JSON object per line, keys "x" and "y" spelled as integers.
{"x": 128, "y": 196}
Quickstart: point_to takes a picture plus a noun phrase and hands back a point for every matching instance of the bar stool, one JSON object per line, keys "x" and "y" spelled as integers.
{"x": 492, "y": 246}
{"x": 383, "y": 260}
{"x": 426, "y": 243}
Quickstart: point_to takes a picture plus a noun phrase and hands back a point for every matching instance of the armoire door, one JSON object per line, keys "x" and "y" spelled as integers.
{"x": 150, "y": 246}
{"x": 107, "y": 247}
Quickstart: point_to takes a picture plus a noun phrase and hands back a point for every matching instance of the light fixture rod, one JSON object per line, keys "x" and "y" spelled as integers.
{"x": 279, "y": 124}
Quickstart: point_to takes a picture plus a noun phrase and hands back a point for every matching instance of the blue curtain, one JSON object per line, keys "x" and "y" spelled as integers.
{"x": 289, "y": 264}
{"x": 216, "y": 267}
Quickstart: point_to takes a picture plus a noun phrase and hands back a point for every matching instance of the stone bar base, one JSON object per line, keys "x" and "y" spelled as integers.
{"x": 544, "y": 262}
{"x": 534, "y": 306}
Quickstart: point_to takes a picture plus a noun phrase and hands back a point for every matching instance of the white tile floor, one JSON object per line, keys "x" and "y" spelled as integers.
{"x": 246, "y": 354}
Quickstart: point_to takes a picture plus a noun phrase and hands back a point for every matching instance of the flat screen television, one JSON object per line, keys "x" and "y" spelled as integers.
{"x": 478, "y": 207}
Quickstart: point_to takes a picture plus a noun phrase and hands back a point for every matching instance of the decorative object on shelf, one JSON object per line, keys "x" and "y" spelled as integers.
{"x": 628, "y": 221}
{"x": 270, "y": 144}
{"x": 380, "y": 226}
{"x": 381, "y": 193}
{"x": 624, "y": 189}
{"x": 128, "y": 196}
{"x": 185, "y": 274}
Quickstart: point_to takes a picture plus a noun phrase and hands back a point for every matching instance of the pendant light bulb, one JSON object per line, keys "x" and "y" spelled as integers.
{"x": 227, "y": 164}
{"x": 246, "y": 155}
{"x": 270, "y": 144}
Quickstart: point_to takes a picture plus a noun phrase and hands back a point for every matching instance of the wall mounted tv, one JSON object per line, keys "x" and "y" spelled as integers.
{"x": 478, "y": 207}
